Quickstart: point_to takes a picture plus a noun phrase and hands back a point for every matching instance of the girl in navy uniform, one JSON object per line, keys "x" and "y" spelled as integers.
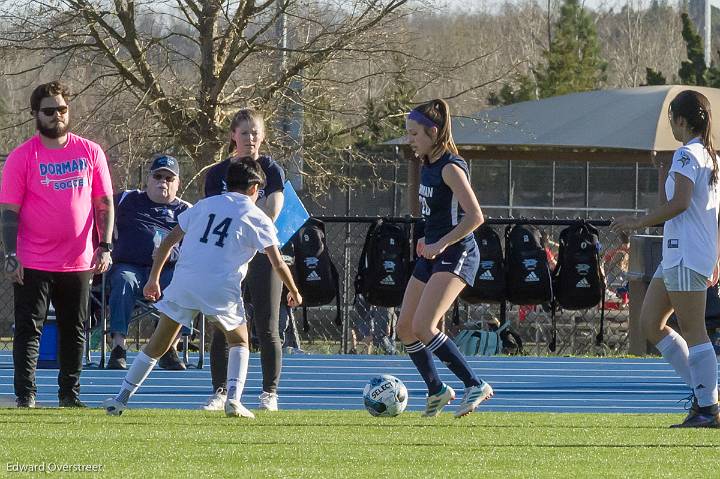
{"x": 689, "y": 206}
{"x": 247, "y": 133}
{"x": 448, "y": 258}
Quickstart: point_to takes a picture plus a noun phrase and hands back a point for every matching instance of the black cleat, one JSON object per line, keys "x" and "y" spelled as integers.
{"x": 171, "y": 361}
{"x": 118, "y": 358}
{"x": 700, "y": 420}
{"x": 708, "y": 416}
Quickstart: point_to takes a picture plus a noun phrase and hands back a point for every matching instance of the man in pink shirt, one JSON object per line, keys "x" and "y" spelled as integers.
{"x": 55, "y": 194}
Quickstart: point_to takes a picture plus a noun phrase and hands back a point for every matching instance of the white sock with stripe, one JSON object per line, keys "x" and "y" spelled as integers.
{"x": 704, "y": 373}
{"x": 674, "y": 350}
{"x": 136, "y": 375}
{"x": 238, "y": 358}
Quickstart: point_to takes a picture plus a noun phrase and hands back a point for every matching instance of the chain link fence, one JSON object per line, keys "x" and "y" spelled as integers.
{"x": 576, "y": 330}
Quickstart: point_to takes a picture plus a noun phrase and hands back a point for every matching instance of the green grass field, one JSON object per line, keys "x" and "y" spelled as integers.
{"x": 332, "y": 444}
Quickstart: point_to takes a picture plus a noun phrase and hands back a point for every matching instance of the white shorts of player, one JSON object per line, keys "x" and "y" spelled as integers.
{"x": 681, "y": 278}
{"x": 185, "y": 316}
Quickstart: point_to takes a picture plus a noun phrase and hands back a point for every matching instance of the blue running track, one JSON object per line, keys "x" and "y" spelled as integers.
{"x": 336, "y": 382}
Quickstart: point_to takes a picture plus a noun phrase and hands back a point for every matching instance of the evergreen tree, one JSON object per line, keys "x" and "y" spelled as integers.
{"x": 712, "y": 77}
{"x": 385, "y": 116}
{"x": 692, "y": 71}
{"x": 654, "y": 77}
{"x": 574, "y": 63}
{"x": 522, "y": 89}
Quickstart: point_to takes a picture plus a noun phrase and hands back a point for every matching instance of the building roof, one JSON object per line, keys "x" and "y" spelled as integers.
{"x": 620, "y": 119}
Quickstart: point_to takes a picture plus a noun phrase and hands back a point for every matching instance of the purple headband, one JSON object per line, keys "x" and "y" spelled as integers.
{"x": 418, "y": 117}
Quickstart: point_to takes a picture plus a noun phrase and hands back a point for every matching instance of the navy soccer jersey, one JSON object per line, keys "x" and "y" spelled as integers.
{"x": 274, "y": 178}
{"x": 138, "y": 221}
{"x": 438, "y": 204}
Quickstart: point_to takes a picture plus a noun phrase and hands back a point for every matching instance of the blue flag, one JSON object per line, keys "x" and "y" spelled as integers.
{"x": 292, "y": 216}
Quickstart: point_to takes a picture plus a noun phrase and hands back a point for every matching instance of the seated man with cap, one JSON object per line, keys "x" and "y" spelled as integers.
{"x": 142, "y": 220}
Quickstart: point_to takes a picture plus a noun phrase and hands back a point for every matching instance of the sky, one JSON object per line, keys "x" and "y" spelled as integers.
{"x": 489, "y": 4}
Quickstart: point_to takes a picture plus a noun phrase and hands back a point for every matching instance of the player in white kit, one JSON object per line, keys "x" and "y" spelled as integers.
{"x": 690, "y": 203}
{"x": 220, "y": 235}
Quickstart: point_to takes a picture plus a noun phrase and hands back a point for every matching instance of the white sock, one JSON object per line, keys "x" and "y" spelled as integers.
{"x": 238, "y": 358}
{"x": 139, "y": 370}
{"x": 704, "y": 372}
{"x": 675, "y": 351}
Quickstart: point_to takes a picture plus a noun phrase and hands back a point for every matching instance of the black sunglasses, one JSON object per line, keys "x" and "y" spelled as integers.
{"x": 159, "y": 177}
{"x": 50, "y": 111}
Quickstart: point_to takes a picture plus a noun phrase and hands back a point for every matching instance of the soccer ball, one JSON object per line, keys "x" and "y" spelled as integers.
{"x": 385, "y": 396}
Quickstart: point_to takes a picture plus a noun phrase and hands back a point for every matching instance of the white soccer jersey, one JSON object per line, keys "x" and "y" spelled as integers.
{"x": 222, "y": 234}
{"x": 691, "y": 237}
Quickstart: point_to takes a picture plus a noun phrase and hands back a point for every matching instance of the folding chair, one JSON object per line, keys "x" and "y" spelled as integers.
{"x": 143, "y": 309}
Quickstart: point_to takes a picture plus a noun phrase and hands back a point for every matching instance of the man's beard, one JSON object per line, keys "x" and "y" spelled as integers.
{"x": 53, "y": 132}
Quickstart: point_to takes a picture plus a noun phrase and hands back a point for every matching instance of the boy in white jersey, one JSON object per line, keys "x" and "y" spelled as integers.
{"x": 220, "y": 234}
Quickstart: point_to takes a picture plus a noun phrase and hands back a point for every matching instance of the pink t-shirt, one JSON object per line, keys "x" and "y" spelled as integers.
{"x": 54, "y": 189}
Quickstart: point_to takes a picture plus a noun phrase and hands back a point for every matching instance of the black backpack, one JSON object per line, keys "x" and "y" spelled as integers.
{"x": 578, "y": 277}
{"x": 489, "y": 284}
{"x": 384, "y": 267}
{"x": 315, "y": 274}
{"x": 528, "y": 279}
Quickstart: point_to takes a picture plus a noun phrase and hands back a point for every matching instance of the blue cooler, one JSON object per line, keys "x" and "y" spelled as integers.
{"x": 49, "y": 343}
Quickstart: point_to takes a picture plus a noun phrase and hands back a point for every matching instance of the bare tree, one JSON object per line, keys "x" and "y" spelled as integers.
{"x": 165, "y": 74}
{"x": 640, "y": 34}
{"x": 190, "y": 63}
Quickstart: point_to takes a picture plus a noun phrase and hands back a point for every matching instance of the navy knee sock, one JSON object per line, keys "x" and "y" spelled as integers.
{"x": 449, "y": 354}
{"x": 423, "y": 360}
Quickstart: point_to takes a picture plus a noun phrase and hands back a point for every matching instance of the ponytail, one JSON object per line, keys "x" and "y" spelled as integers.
{"x": 707, "y": 140}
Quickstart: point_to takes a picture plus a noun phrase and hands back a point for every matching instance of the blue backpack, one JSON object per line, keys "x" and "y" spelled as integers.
{"x": 481, "y": 343}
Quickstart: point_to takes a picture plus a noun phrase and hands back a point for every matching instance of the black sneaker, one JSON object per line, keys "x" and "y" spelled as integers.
{"x": 171, "y": 361}
{"x": 25, "y": 401}
{"x": 118, "y": 358}
{"x": 71, "y": 402}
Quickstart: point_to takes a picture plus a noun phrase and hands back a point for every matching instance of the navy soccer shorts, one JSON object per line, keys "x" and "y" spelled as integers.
{"x": 461, "y": 259}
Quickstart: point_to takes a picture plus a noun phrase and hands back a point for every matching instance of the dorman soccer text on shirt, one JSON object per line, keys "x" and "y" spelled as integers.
{"x": 64, "y": 174}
